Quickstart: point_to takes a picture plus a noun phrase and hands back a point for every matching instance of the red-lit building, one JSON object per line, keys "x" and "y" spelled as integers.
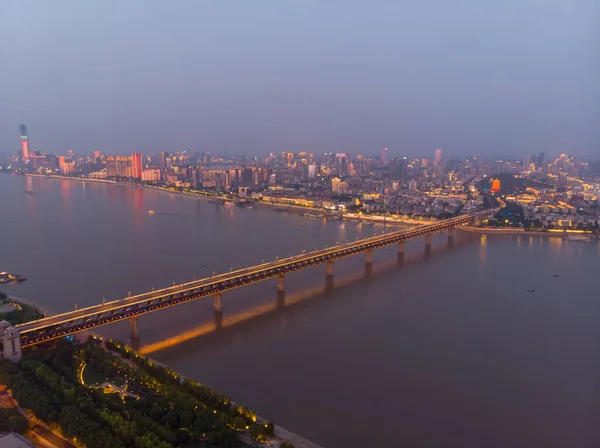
{"x": 136, "y": 161}
{"x": 495, "y": 185}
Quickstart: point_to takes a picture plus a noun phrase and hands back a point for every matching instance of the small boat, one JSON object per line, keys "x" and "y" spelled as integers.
{"x": 555, "y": 275}
{"x": 151, "y": 212}
{"x": 29, "y": 192}
{"x": 530, "y": 290}
{"x": 203, "y": 265}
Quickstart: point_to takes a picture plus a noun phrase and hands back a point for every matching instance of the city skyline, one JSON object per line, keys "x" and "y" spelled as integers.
{"x": 518, "y": 79}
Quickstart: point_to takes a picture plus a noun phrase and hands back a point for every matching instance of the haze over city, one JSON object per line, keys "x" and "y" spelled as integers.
{"x": 470, "y": 77}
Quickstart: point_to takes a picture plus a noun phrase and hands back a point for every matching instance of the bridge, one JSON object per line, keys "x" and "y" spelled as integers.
{"x": 71, "y": 322}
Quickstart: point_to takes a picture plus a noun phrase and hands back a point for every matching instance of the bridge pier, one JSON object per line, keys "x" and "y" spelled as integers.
{"x": 369, "y": 256}
{"x": 281, "y": 283}
{"x": 134, "y": 328}
{"x": 218, "y": 302}
{"x": 329, "y": 269}
{"x": 428, "y": 240}
{"x": 401, "y": 247}
{"x": 451, "y": 233}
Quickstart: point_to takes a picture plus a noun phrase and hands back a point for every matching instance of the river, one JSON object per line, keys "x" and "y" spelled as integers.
{"x": 443, "y": 348}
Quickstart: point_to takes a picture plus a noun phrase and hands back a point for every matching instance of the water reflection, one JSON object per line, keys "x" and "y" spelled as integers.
{"x": 286, "y": 301}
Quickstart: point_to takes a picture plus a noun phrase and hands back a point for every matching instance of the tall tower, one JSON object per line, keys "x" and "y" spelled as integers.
{"x": 24, "y": 143}
{"x": 438, "y": 156}
{"x": 383, "y": 156}
{"x": 136, "y": 160}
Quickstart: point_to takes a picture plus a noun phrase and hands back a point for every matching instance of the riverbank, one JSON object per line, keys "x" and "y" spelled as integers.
{"x": 83, "y": 179}
{"x": 34, "y": 305}
{"x": 280, "y": 434}
{"x": 490, "y": 231}
{"x": 303, "y": 211}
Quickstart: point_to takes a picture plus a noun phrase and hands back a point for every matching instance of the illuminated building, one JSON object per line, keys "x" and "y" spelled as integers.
{"x": 151, "y": 175}
{"x": 312, "y": 171}
{"x": 62, "y": 165}
{"x": 335, "y": 184}
{"x": 383, "y": 156}
{"x": 124, "y": 167}
{"x": 111, "y": 166}
{"x": 438, "y": 156}
{"x": 65, "y": 167}
{"x": 495, "y": 185}
{"x": 136, "y": 165}
{"x": 24, "y": 143}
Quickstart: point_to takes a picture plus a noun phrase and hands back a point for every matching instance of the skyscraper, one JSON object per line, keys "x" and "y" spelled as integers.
{"x": 438, "y": 156}
{"x": 136, "y": 161}
{"x": 24, "y": 143}
{"x": 383, "y": 156}
{"x": 541, "y": 157}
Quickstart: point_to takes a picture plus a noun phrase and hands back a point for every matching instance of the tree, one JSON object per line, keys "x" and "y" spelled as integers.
{"x": 256, "y": 432}
{"x": 18, "y": 423}
{"x": 286, "y": 445}
{"x": 239, "y": 422}
{"x": 269, "y": 428}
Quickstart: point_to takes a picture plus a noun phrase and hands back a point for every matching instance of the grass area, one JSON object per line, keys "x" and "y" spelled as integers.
{"x": 91, "y": 377}
{"x": 23, "y": 313}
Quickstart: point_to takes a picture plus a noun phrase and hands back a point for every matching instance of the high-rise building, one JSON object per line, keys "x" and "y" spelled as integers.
{"x": 312, "y": 170}
{"x": 383, "y": 156}
{"x": 65, "y": 166}
{"x": 540, "y": 159}
{"x": 136, "y": 163}
{"x": 162, "y": 160}
{"x": 24, "y": 143}
{"x": 438, "y": 156}
{"x": 335, "y": 185}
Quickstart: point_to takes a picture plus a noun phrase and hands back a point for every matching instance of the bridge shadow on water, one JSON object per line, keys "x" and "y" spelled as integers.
{"x": 226, "y": 327}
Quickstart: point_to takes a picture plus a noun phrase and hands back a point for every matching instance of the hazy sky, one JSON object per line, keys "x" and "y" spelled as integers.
{"x": 468, "y": 76}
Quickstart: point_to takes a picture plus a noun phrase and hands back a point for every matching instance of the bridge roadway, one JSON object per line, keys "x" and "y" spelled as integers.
{"x": 60, "y": 325}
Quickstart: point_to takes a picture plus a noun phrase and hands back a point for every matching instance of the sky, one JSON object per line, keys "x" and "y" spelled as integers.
{"x": 468, "y": 76}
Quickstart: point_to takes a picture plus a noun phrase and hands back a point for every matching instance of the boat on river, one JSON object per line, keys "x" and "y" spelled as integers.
{"x": 585, "y": 239}
{"x": 7, "y": 277}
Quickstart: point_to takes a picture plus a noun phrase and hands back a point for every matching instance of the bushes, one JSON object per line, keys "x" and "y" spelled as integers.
{"x": 11, "y": 420}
